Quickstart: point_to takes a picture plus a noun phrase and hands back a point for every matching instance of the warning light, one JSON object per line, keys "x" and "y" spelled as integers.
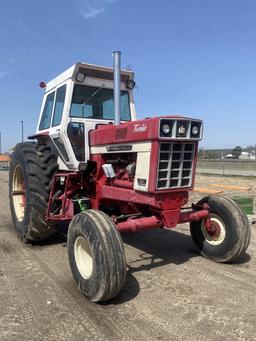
{"x": 42, "y": 85}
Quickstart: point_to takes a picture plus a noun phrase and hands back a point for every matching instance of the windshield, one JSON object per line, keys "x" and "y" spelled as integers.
{"x": 97, "y": 103}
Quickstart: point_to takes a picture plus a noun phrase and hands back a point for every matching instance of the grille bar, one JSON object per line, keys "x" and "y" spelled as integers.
{"x": 175, "y": 167}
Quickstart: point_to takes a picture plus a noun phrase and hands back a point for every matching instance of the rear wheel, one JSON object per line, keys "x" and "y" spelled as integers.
{"x": 31, "y": 171}
{"x": 228, "y": 234}
{"x": 96, "y": 255}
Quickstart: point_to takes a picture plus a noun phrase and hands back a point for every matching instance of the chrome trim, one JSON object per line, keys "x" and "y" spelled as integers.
{"x": 174, "y": 128}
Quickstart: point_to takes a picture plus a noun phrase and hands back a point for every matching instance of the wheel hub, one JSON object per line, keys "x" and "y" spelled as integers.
{"x": 18, "y": 193}
{"x": 214, "y": 230}
{"x": 83, "y": 257}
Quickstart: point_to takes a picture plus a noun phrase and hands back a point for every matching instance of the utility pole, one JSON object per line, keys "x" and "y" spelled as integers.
{"x": 21, "y": 131}
{"x": 0, "y": 143}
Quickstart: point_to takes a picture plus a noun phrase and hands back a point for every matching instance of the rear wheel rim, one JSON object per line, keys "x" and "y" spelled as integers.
{"x": 216, "y": 234}
{"x": 83, "y": 257}
{"x": 18, "y": 193}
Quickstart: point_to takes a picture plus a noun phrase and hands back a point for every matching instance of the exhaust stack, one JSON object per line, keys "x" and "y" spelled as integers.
{"x": 117, "y": 86}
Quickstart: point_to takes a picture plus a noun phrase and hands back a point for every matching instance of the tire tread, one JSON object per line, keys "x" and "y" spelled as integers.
{"x": 40, "y": 164}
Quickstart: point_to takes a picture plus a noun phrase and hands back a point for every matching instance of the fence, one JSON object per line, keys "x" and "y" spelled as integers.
{"x": 227, "y": 167}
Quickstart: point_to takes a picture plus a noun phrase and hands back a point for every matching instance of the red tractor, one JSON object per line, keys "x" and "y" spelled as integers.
{"x": 95, "y": 166}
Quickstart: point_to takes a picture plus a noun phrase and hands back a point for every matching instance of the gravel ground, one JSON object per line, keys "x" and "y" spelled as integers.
{"x": 171, "y": 292}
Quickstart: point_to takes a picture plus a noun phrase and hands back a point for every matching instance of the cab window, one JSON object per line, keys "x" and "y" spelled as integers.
{"x": 97, "y": 103}
{"x": 76, "y": 137}
{"x": 47, "y": 112}
{"x": 59, "y": 105}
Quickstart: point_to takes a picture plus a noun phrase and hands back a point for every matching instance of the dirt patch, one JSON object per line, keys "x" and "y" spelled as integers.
{"x": 171, "y": 292}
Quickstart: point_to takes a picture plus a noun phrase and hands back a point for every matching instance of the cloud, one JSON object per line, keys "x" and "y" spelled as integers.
{"x": 3, "y": 74}
{"x": 91, "y": 8}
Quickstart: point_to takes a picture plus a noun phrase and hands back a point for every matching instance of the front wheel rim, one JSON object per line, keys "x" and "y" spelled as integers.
{"x": 216, "y": 234}
{"x": 83, "y": 257}
{"x": 18, "y": 193}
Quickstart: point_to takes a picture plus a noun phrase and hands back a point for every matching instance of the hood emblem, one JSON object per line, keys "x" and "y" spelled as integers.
{"x": 139, "y": 128}
{"x": 181, "y": 130}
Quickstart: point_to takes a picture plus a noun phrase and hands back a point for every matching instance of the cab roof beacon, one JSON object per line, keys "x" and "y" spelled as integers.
{"x": 93, "y": 165}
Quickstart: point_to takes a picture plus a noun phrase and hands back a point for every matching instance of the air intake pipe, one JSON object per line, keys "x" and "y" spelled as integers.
{"x": 117, "y": 86}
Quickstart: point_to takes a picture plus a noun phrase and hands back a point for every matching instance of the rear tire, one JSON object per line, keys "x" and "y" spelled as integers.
{"x": 31, "y": 170}
{"x": 230, "y": 234}
{"x": 96, "y": 255}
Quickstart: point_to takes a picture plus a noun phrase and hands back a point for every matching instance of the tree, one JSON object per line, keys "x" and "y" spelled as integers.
{"x": 236, "y": 152}
{"x": 208, "y": 154}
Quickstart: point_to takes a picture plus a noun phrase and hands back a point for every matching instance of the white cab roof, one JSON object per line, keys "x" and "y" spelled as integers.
{"x": 90, "y": 70}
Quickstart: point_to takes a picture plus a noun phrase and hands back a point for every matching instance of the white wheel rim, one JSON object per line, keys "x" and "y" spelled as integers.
{"x": 214, "y": 240}
{"x": 83, "y": 257}
{"x": 18, "y": 193}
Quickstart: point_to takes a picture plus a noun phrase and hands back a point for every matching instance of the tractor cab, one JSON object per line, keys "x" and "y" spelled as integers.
{"x": 78, "y": 100}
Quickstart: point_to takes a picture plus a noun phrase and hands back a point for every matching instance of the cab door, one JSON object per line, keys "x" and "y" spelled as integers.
{"x": 56, "y": 131}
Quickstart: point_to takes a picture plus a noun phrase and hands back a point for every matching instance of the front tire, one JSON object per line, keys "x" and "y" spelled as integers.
{"x": 229, "y": 233}
{"x": 96, "y": 255}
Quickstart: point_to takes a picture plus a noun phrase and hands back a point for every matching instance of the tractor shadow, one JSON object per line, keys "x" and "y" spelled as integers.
{"x": 130, "y": 290}
{"x": 159, "y": 247}
{"x": 146, "y": 251}
{"x": 162, "y": 247}
{"x": 156, "y": 248}
{"x": 243, "y": 259}
{"x": 152, "y": 249}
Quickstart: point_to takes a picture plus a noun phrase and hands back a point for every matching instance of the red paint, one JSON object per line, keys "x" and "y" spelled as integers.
{"x": 123, "y": 183}
{"x": 140, "y": 224}
{"x": 213, "y": 229}
{"x": 153, "y": 166}
{"x": 170, "y": 218}
{"x": 161, "y": 208}
{"x": 167, "y": 219}
{"x": 64, "y": 200}
{"x": 186, "y": 217}
{"x": 161, "y": 201}
{"x": 109, "y": 134}
{"x": 142, "y": 130}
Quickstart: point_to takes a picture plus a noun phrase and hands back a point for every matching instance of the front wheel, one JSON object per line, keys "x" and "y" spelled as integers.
{"x": 227, "y": 236}
{"x": 96, "y": 255}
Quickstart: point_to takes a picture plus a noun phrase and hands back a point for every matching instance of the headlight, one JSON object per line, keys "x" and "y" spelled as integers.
{"x": 80, "y": 77}
{"x": 166, "y": 128}
{"x": 195, "y": 130}
{"x": 130, "y": 84}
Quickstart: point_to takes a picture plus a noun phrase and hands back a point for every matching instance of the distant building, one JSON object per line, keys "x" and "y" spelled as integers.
{"x": 4, "y": 161}
{"x": 229, "y": 156}
{"x": 247, "y": 156}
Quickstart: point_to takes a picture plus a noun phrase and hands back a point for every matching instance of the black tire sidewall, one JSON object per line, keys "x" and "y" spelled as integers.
{"x": 231, "y": 244}
{"x": 20, "y": 226}
{"x": 38, "y": 164}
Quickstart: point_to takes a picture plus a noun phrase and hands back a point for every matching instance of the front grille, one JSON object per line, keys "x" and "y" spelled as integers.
{"x": 175, "y": 168}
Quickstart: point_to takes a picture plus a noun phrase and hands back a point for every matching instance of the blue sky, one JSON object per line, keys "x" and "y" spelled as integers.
{"x": 191, "y": 57}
